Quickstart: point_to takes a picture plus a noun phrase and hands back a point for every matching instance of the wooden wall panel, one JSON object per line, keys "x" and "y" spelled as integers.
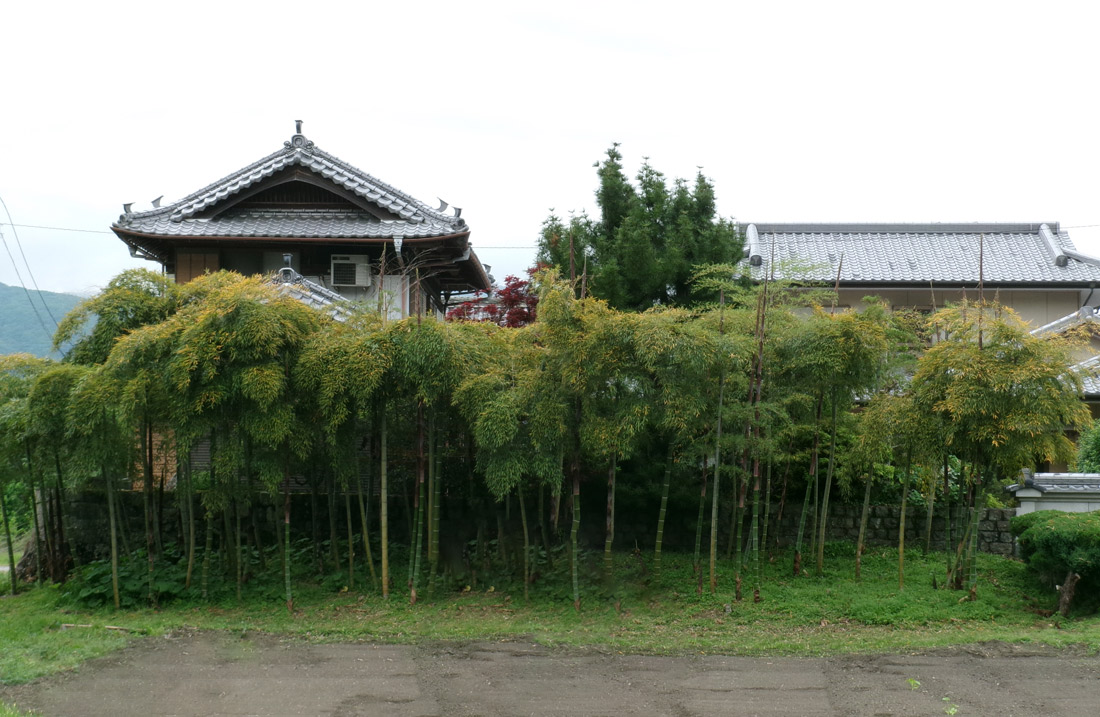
{"x": 191, "y": 264}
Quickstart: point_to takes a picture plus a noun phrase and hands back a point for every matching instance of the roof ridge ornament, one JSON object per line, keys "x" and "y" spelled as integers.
{"x": 299, "y": 141}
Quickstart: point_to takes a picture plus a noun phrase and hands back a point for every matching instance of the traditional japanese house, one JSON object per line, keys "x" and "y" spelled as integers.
{"x": 1034, "y": 268}
{"x": 322, "y": 223}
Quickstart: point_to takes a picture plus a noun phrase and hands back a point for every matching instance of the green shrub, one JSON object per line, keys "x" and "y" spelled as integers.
{"x": 1055, "y": 544}
{"x": 91, "y": 583}
{"x": 1088, "y": 449}
{"x": 1020, "y": 523}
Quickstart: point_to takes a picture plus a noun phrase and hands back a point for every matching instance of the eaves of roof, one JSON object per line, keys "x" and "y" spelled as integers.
{"x": 123, "y": 232}
{"x": 175, "y": 219}
{"x": 1084, "y": 315}
{"x": 1048, "y": 483}
{"x": 1087, "y": 371}
{"x": 382, "y": 214}
{"x": 291, "y": 283}
{"x": 1021, "y": 255}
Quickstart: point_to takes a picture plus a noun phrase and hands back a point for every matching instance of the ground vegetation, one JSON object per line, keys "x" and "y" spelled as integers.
{"x": 420, "y": 457}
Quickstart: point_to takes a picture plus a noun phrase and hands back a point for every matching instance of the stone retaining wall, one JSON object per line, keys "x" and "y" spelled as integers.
{"x": 87, "y": 524}
{"x": 994, "y": 527}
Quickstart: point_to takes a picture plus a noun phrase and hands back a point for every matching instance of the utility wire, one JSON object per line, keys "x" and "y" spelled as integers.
{"x": 104, "y": 231}
{"x": 60, "y": 229}
{"x": 27, "y": 264}
{"x": 27, "y": 291}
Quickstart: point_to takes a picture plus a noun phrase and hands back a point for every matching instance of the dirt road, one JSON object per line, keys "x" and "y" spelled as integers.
{"x": 217, "y": 674}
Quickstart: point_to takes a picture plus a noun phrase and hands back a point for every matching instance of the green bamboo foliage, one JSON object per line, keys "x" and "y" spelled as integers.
{"x": 997, "y": 397}
{"x": 18, "y": 373}
{"x": 281, "y": 391}
{"x": 47, "y": 428}
{"x": 677, "y": 355}
{"x": 100, "y": 442}
{"x": 232, "y": 349}
{"x": 514, "y": 418}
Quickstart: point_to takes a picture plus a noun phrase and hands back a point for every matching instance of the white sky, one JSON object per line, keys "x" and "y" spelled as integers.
{"x": 958, "y": 111}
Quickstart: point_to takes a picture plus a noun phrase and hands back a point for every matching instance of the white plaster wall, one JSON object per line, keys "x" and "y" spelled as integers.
{"x": 1037, "y": 306}
{"x": 1071, "y": 504}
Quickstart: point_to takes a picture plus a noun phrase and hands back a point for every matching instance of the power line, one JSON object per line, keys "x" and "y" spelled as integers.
{"x": 28, "y": 293}
{"x": 59, "y": 229}
{"x": 27, "y": 264}
{"x": 103, "y": 231}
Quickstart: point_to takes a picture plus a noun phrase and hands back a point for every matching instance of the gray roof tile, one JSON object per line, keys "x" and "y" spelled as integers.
{"x": 1088, "y": 370}
{"x": 291, "y": 283}
{"x": 290, "y": 223}
{"x": 1060, "y": 483}
{"x": 416, "y": 219}
{"x": 1084, "y": 315}
{"x": 918, "y": 253}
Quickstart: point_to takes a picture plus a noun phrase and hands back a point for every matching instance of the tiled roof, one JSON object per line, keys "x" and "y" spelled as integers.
{"x": 1060, "y": 483}
{"x": 184, "y": 218}
{"x": 291, "y": 283}
{"x": 291, "y": 223}
{"x": 1084, "y": 315}
{"x": 918, "y": 253}
{"x": 1088, "y": 370}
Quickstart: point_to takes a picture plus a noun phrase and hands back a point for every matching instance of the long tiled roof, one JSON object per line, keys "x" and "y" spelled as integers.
{"x": 291, "y": 223}
{"x": 186, "y": 216}
{"x": 291, "y": 283}
{"x": 1026, "y": 254}
{"x": 1060, "y": 483}
{"x": 1084, "y": 315}
{"x": 1088, "y": 371}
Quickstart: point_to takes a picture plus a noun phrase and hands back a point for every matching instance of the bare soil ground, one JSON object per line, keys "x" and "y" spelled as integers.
{"x": 219, "y": 674}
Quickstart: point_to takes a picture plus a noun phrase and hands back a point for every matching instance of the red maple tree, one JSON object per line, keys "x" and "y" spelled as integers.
{"x": 512, "y": 305}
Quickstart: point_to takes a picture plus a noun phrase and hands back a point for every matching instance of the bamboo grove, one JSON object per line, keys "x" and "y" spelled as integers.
{"x": 431, "y": 451}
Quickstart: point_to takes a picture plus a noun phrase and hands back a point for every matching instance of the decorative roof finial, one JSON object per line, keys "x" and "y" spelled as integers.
{"x": 299, "y": 141}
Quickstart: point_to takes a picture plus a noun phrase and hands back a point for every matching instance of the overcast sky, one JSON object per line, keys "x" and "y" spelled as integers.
{"x": 822, "y": 112}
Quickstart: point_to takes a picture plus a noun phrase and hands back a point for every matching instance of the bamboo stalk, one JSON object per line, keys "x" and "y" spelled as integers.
{"x": 823, "y": 521}
{"x": 363, "y": 514}
{"x": 351, "y": 540}
{"x": 609, "y": 534}
{"x": 573, "y": 538}
{"x": 696, "y": 565}
{"x": 33, "y": 496}
{"x": 863, "y": 527}
{"x": 112, "y": 521}
{"x": 664, "y": 510}
{"x": 717, "y": 453}
{"x": 526, "y": 544}
{"x": 11, "y": 549}
{"x": 384, "y": 504}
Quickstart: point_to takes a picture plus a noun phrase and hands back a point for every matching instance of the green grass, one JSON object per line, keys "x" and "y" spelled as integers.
{"x": 633, "y": 613}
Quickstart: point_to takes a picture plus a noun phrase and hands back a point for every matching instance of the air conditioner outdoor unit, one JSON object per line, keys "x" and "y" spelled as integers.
{"x": 350, "y": 270}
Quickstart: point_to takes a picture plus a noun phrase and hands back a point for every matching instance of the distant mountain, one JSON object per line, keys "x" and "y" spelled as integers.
{"x": 20, "y": 330}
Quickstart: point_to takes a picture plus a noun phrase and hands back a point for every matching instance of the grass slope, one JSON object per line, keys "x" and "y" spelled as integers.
{"x": 20, "y": 330}
{"x": 635, "y": 613}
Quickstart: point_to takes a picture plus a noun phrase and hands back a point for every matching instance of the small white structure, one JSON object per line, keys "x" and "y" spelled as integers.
{"x": 1069, "y": 492}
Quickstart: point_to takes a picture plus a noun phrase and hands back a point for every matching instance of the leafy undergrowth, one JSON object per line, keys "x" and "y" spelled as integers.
{"x": 635, "y": 612}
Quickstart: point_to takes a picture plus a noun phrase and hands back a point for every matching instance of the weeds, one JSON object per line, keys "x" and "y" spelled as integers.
{"x": 633, "y": 612}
